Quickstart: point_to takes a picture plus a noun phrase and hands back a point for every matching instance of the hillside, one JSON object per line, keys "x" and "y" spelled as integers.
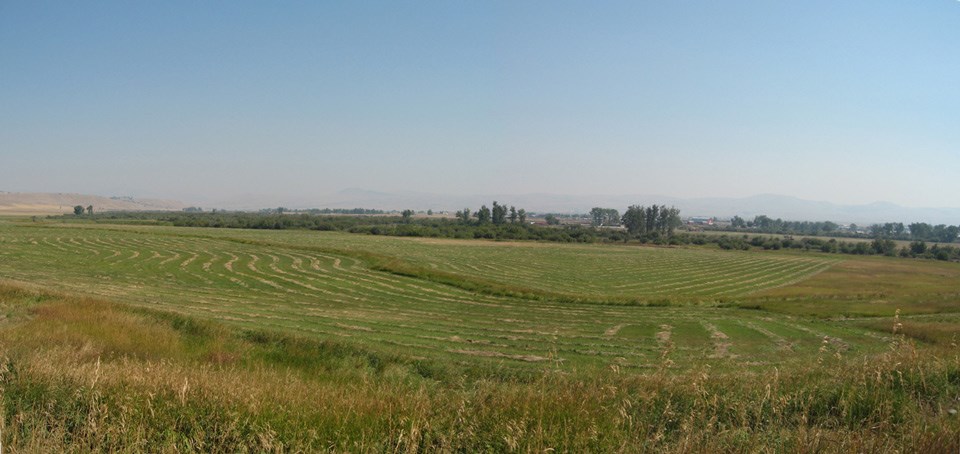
{"x": 33, "y": 203}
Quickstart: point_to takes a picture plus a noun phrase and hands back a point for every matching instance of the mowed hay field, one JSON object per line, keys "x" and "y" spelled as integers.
{"x": 139, "y": 338}
{"x": 285, "y": 281}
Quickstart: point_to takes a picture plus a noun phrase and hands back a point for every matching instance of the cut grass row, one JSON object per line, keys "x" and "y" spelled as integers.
{"x": 308, "y": 291}
{"x": 605, "y": 274}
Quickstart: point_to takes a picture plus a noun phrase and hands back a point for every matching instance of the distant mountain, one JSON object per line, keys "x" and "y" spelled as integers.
{"x": 776, "y": 206}
{"x": 37, "y": 203}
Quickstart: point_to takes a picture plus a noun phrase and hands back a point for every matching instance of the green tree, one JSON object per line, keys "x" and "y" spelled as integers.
{"x": 604, "y": 216}
{"x": 597, "y": 216}
{"x": 671, "y": 219}
{"x": 513, "y": 214}
{"x": 944, "y": 233}
{"x": 464, "y": 216}
{"x": 884, "y": 246}
{"x": 406, "y": 215}
{"x": 918, "y": 247}
{"x": 635, "y": 219}
{"x": 920, "y": 231}
{"x": 522, "y": 216}
{"x": 90, "y": 209}
{"x": 899, "y": 230}
{"x": 951, "y": 233}
{"x": 483, "y": 216}
{"x": 499, "y": 213}
{"x": 551, "y": 219}
{"x": 652, "y": 215}
{"x": 78, "y": 210}
{"x": 611, "y": 217}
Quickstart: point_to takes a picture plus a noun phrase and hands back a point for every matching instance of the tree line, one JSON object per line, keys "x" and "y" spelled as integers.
{"x": 765, "y": 224}
{"x": 879, "y": 246}
{"x": 656, "y": 232}
{"x": 499, "y": 215}
{"x": 604, "y": 217}
{"x": 655, "y": 219}
{"x": 917, "y": 231}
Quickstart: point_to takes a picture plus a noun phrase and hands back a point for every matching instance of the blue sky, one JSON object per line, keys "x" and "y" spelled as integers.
{"x": 851, "y": 101}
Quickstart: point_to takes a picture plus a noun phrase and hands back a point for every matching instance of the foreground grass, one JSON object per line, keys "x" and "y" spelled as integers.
{"x": 83, "y": 375}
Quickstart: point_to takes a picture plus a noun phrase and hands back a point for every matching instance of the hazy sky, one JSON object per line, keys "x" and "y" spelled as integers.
{"x": 847, "y": 101}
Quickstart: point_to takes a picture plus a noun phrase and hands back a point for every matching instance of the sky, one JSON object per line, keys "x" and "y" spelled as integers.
{"x": 842, "y": 101}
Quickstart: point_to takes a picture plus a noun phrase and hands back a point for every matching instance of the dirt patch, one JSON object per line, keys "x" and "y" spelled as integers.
{"x": 721, "y": 342}
{"x": 613, "y": 330}
{"x": 663, "y": 337}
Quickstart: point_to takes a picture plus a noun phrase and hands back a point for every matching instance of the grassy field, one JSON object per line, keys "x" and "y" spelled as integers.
{"x": 480, "y": 328}
{"x": 300, "y": 289}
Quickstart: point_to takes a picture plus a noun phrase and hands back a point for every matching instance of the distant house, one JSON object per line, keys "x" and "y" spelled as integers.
{"x": 700, "y": 220}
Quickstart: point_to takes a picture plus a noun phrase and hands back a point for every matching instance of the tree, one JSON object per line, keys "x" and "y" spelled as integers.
{"x": 522, "y": 216}
{"x": 737, "y": 222}
{"x": 611, "y": 217}
{"x": 597, "y": 216}
{"x": 499, "y": 213}
{"x": 513, "y": 214}
{"x": 884, "y": 246}
{"x": 918, "y": 247}
{"x": 604, "y": 216}
{"x": 280, "y": 210}
{"x": 951, "y": 233}
{"x": 483, "y": 216}
{"x": 406, "y": 214}
{"x": 944, "y": 233}
{"x": 635, "y": 219}
{"x": 464, "y": 216}
{"x": 90, "y": 209}
{"x": 899, "y": 230}
{"x": 551, "y": 219}
{"x": 764, "y": 223}
{"x": 671, "y": 220}
{"x": 652, "y": 216}
{"x": 429, "y": 212}
{"x": 78, "y": 210}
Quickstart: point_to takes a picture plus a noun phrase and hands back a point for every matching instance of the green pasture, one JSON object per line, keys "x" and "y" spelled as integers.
{"x": 323, "y": 284}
